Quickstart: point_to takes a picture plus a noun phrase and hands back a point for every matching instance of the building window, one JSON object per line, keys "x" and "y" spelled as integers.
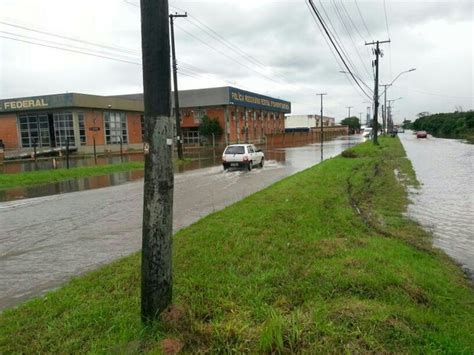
{"x": 115, "y": 128}
{"x": 198, "y": 115}
{"x": 64, "y": 129}
{"x": 34, "y": 129}
{"x": 142, "y": 122}
{"x": 82, "y": 128}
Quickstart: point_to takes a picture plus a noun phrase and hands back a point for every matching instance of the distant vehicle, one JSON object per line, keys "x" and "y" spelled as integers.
{"x": 242, "y": 156}
{"x": 421, "y": 134}
{"x": 367, "y": 133}
{"x": 401, "y": 130}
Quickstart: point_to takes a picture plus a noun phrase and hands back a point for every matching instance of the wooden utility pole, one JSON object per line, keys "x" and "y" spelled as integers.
{"x": 376, "y": 89}
{"x": 156, "y": 292}
{"x": 179, "y": 138}
{"x": 322, "y": 131}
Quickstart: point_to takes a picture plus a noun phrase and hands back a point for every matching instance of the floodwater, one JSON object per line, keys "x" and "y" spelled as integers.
{"x": 445, "y": 202}
{"x": 47, "y": 240}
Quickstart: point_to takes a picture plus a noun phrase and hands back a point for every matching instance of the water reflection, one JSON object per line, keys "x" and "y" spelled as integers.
{"x": 21, "y": 166}
{"x": 94, "y": 182}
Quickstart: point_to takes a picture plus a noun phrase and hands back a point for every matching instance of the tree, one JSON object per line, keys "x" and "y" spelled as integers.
{"x": 352, "y": 122}
{"x": 423, "y": 114}
{"x": 209, "y": 127}
{"x": 407, "y": 124}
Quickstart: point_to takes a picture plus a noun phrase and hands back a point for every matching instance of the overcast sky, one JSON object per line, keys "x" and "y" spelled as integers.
{"x": 278, "y": 50}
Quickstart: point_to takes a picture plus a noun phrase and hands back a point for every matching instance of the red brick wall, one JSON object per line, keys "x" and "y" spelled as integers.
{"x": 94, "y": 118}
{"x": 9, "y": 131}
{"x": 134, "y": 127}
{"x": 301, "y": 138}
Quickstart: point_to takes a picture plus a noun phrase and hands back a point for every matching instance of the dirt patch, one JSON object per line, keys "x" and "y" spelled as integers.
{"x": 171, "y": 346}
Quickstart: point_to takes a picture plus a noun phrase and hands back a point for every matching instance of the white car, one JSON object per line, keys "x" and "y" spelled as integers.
{"x": 367, "y": 132}
{"x": 242, "y": 156}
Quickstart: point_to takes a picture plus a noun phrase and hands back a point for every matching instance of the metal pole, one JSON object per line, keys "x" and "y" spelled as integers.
{"x": 95, "y": 152}
{"x": 67, "y": 153}
{"x": 35, "y": 142}
{"x": 321, "y": 124}
{"x": 121, "y": 149}
{"x": 156, "y": 290}
{"x": 176, "y": 93}
{"x": 385, "y": 109}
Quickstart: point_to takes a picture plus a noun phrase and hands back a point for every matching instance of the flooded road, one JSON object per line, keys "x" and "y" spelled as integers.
{"x": 45, "y": 241}
{"x": 445, "y": 202}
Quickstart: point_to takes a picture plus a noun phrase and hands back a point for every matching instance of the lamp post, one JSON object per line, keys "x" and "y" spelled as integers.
{"x": 384, "y": 92}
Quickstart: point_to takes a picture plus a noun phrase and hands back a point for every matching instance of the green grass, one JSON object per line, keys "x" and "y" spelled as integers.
{"x": 323, "y": 261}
{"x": 41, "y": 177}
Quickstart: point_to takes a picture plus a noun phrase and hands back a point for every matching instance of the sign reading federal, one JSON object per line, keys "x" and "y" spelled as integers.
{"x": 24, "y": 104}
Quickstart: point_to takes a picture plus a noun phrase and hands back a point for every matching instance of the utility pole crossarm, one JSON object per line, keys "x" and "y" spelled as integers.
{"x": 375, "y": 43}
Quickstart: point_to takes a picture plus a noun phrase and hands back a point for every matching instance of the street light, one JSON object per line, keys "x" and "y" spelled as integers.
{"x": 386, "y": 86}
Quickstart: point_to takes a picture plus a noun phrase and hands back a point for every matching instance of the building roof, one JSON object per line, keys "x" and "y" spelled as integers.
{"x": 134, "y": 102}
{"x": 226, "y": 95}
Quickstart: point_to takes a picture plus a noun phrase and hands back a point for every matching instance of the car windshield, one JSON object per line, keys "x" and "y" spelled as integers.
{"x": 236, "y": 149}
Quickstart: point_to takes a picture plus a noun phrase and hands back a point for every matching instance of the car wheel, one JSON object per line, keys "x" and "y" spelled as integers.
{"x": 250, "y": 166}
{"x": 261, "y": 162}
{"x": 225, "y": 167}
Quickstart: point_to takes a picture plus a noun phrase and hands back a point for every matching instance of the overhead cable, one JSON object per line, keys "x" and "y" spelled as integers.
{"x": 315, "y": 10}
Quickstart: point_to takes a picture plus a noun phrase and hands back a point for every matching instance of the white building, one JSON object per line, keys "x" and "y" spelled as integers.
{"x": 308, "y": 121}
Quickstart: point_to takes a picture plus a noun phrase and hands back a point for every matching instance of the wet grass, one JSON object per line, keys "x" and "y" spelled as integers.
{"x": 321, "y": 262}
{"x": 41, "y": 177}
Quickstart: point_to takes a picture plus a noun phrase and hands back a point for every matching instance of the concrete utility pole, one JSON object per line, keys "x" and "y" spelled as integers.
{"x": 179, "y": 137}
{"x": 349, "y": 111}
{"x": 376, "y": 89}
{"x": 156, "y": 292}
{"x": 384, "y": 126}
{"x": 322, "y": 131}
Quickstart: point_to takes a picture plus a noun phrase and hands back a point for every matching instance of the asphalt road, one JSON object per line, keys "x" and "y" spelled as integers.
{"x": 47, "y": 240}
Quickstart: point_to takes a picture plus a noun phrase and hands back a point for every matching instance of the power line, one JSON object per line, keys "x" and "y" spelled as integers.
{"x": 335, "y": 47}
{"x": 435, "y": 94}
{"x": 331, "y": 49}
{"x": 348, "y": 32}
{"x": 115, "y": 48}
{"x": 388, "y": 34}
{"x": 43, "y": 41}
{"x": 216, "y": 36}
{"x": 212, "y": 33}
{"x": 336, "y": 37}
{"x": 72, "y": 50}
{"x": 225, "y": 55}
{"x": 363, "y": 20}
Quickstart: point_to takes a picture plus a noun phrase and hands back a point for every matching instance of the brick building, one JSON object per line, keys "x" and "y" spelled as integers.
{"x": 48, "y": 121}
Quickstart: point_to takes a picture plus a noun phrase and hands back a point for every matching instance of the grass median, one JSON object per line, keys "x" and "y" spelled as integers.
{"x": 323, "y": 261}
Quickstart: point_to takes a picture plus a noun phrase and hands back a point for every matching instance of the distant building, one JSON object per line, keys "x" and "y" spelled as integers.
{"x": 308, "y": 121}
{"x": 49, "y": 121}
